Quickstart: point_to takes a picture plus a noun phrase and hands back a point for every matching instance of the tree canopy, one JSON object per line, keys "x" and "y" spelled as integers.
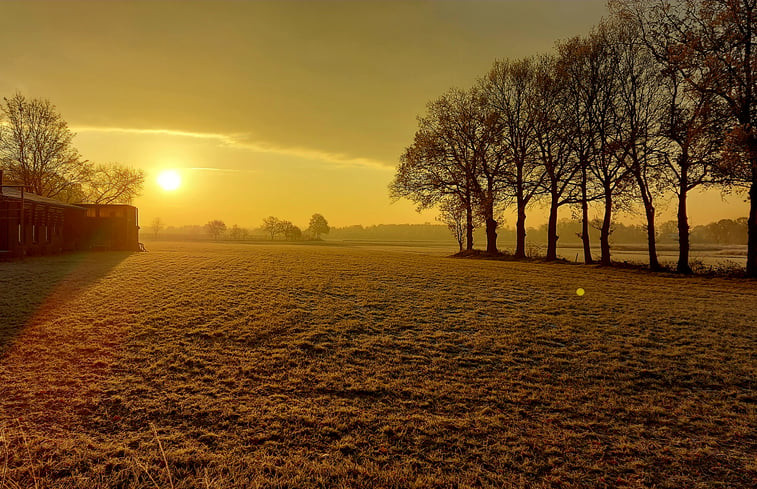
{"x": 215, "y": 228}
{"x": 656, "y": 100}
{"x": 37, "y": 152}
{"x": 318, "y": 225}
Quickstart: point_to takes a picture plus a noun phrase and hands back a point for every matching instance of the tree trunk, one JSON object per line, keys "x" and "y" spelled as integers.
{"x": 604, "y": 236}
{"x": 491, "y": 223}
{"x": 654, "y": 263}
{"x": 751, "y": 256}
{"x": 748, "y": 125}
{"x": 468, "y": 224}
{"x": 491, "y": 236}
{"x": 683, "y": 224}
{"x": 552, "y": 230}
{"x": 520, "y": 232}
{"x": 649, "y": 211}
{"x": 585, "y": 218}
{"x": 520, "y": 225}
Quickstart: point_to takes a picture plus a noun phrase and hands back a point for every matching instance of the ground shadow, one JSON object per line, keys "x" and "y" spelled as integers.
{"x": 26, "y": 286}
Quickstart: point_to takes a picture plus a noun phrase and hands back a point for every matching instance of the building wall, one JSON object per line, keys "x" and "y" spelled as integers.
{"x": 113, "y": 227}
{"x": 8, "y": 227}
{"x": 39, "y": 232}
{"x": 47, "y": 228}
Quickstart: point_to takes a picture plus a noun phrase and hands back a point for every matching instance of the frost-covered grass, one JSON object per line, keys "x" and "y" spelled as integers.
{"x": 338, "y": 366}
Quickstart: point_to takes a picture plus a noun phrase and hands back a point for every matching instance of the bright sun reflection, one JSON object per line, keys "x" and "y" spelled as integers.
{"x": 169, "y": 180}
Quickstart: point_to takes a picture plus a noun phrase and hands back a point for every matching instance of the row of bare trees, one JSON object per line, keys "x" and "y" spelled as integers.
{"x": 272, "y": 226}
{"x": 279, "y": 227}
{"x": 37, "y": 152}
{"x": 215, "y": 228}
{"x": 657, "y": 100}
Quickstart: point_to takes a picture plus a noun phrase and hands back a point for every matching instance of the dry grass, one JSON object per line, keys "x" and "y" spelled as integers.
{"x": 326, "y": 366}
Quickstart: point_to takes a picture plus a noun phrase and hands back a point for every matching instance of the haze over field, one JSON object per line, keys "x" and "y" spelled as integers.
{"x": 280, "y": 108}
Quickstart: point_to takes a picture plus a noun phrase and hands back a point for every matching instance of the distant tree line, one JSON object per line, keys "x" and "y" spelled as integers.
{"x": 285, "y": 229}
{"x": 272, "y": 227}
{"x": 658, "y": 99}
{"x": 37, "y": 153}
{"x": 282, "y": 228}
{"x": 391, "y": 232}
{"x": 723, "y": 232}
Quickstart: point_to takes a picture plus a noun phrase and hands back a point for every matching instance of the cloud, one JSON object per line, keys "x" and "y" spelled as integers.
{"x": 221, "y": 170}
{"x": 242, "y": 141}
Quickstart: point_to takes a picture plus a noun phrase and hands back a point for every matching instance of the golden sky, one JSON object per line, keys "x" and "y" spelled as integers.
{"x": 271, "y": 108}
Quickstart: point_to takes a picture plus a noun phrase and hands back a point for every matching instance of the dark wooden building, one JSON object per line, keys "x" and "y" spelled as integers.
{"x": 111, "y": 227}
{"x": 34, "y": 225}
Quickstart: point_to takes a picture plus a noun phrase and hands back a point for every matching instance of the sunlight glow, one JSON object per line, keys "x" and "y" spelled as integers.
{"x": 169, "y": 180}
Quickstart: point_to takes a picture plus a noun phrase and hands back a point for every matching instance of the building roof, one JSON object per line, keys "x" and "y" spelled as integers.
{"x": 15, "y": 193}
{"x": 106, "y": 205}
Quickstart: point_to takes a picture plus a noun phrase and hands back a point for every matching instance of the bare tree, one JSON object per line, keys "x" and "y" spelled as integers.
{"x": 692, "y": 122}
{"x": 318, "y": 225}
{"x": 639, "y": 106}
{"x": 714, "y": 45}
{"x": 290, "y": 231}
{"x": 509, "y": 86}
{"x": 156, "y": 226}
{"x": 553, "y": 139}
{"x": 113, "y": 184}
{"x": 36, "y": 149}
{"x": 452, "y": 214}
{"x": 215, "y": 228}
{"x": 441, "y": 162}
{"x": 237, "y": 233}
{"x": 578, "y": 62}
{"x": 271, "y": 225}
{"x": 607, "y": 164}
{"x": 486, "y": 137}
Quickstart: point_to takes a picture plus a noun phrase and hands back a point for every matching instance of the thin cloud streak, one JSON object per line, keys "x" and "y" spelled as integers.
{"x": 230, "y": 170}
{"x": 238, "y": 141}
{"x": 221, "y": 170}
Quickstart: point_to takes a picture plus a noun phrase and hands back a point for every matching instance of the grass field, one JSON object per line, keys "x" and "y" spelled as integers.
{"x": 338, "y": 366}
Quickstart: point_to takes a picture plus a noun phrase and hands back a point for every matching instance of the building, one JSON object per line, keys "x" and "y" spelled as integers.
{"x": 34, "y": 225}
{"x": 111, "y": 226}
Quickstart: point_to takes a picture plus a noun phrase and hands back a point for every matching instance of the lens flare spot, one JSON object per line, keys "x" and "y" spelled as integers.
{"x": 580, "y": 291}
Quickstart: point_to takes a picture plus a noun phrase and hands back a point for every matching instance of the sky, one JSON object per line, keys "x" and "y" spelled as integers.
{"x": 282, "y": 108}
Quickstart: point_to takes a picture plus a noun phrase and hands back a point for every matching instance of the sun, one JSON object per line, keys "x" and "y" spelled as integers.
{"x": 169, "y": 180}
